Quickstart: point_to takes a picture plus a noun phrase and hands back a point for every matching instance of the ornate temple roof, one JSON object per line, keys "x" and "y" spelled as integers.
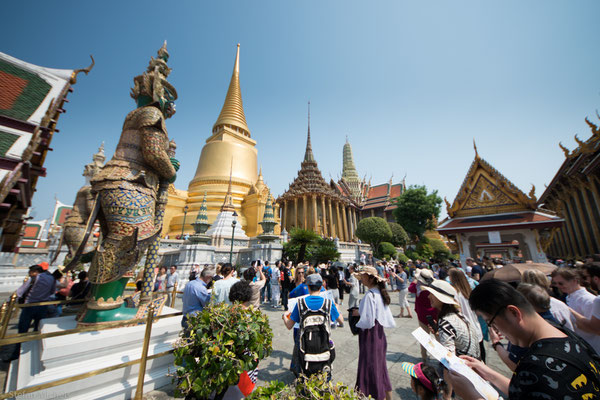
{"x": 309, "y": 179}
{"x": 578, "y": 163}
{"x": 232, "y": 113}
{"x": 486, "y": 191}
{"x": 31, "y": 100}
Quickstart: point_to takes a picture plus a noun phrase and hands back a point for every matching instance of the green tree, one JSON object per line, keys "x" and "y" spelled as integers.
{"x": 402, "y": 257}
{"x": 374, "y": 230}
{"x": 441, "y": 253}
{"x": 387, "y": 250}
{"x": 425, "y": 250}
{"x": 417, "y": 211}
{"x": 325, "y": 250}
{"x": 399, "y": 235}
{"x": 302, "y": 238}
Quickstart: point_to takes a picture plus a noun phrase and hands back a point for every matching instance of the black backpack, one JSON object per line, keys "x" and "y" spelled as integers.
{"x": 316, "y": 350}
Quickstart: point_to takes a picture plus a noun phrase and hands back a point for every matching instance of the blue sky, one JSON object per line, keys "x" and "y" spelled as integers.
{"x": 410, "y": 83}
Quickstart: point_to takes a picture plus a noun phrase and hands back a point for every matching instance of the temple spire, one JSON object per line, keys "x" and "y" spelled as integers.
{"x": 308, "y": 155}
{"x": 232, "y": 112}
{"x": 348, "y": 168}
{"x": 228, "y": 203}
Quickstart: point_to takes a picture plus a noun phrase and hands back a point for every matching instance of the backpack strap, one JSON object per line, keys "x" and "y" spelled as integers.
{"x": 302, "y": 306}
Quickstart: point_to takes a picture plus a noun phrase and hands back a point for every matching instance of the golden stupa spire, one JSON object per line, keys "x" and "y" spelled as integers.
{"x": 232, "y": 112}
{"x": 228, "y": 203}
{"x": 308, "y": 155}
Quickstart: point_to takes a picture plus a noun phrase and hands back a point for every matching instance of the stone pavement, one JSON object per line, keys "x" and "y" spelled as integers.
{"x": 401, "y": 347}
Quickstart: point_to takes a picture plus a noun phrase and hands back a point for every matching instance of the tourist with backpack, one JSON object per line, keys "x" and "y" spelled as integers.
{"x": 372, "y": 377}
{"x": 314, "y": 314}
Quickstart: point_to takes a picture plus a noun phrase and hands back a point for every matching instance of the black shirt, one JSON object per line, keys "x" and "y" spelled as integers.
{"x": 556, "y": 368}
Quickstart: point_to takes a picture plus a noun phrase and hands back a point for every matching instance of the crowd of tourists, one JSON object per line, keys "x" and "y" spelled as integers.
{"x": 545, "y": 328}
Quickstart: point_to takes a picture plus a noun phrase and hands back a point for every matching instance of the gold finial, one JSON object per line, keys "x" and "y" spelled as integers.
{"x": 475, "y": 147}
{"x": 532, "y": 193}
{"x": 564, "y": 149}
{"x": 308, "y": 154}
{"x": 448, "y": 205}
{"x": 228, "y": 202}
{"x": 593, "y": 126}
{"x": 579, "y": 142}
{"x": 86, "y": 70}
{"x": 232, "y": 112}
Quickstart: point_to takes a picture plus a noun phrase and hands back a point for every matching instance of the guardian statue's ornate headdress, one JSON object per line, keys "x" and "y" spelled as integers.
{"x": 152, "y": 86}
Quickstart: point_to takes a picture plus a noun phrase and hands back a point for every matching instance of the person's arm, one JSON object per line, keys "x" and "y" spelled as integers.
{"x": 501, "y": 350}
{"x": 591, "y": 325}
{"x": 262, "y": 275}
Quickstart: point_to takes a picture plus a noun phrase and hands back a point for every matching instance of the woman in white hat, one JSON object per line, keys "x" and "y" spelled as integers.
{"x": 372, "y": 377}
{"x": 453, "y": 330}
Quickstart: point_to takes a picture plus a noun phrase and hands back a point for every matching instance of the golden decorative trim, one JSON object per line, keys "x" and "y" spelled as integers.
{"x": 102, "y": 304}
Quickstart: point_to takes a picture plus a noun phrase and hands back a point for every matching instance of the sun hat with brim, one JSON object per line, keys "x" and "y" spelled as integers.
{"x": 372, "y": 271}
{"x": 415, "y": 371}
{"x": 443, "y": 291}
{"x": 424, "y": 276}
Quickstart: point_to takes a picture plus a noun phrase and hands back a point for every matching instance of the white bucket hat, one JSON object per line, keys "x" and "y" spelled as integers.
{"x": 443, "y": 291}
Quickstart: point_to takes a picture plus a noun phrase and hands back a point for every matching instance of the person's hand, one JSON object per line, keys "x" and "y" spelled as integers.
{"x": 478, "y": 366}
{"x": 494, "y": 337}
{"x": 355, "y": 313}
{"x": 462, "y": 386}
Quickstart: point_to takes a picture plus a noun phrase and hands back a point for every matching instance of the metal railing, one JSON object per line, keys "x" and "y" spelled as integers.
{"x": 8, "y": 308}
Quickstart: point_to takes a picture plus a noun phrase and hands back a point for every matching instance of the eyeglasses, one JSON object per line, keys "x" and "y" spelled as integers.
{"x": 490, "y": 323}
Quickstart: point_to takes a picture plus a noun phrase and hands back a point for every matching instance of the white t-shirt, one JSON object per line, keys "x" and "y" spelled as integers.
{"x": 560, "y": 311}
{"x": 372, "y": 308}
{"x": 275, "y": 275}
{"x": 582, "y": 301}
{"x": 596, "y": 307}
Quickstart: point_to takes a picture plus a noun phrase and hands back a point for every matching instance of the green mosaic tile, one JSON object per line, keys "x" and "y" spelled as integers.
{"x": 6, "y": 141}
{"x": 32, "y": 95}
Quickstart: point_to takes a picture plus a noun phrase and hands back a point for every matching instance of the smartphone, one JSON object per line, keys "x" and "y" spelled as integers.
{"x": 431, "y": 323}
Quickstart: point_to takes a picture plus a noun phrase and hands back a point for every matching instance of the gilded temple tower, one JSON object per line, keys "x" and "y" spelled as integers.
{"x": 229, "y": 149}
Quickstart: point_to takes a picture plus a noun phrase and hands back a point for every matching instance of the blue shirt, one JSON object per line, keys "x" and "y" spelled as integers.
{"x": 195, "y": 297}
{"x": 314, "y": 303}
{"x": 301, "y": 290}
{"x": 43, "y": 288}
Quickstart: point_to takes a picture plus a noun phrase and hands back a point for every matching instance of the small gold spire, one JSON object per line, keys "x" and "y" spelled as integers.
{"x": 228, "y": 203}
{"x": 232, "y": 112}
{"x": 475, "y": 147}
{"x": 308, "y": 154}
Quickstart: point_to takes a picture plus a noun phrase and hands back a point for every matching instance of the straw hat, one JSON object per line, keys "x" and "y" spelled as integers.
{"x": 372, "y": 271}
{"x": 424, "y": 276}
{"x": 443, "y": 291}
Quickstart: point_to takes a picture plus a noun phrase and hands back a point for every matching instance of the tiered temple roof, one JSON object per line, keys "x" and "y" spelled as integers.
{"x": 309, "y": 179}
{"x": 31, "y": 101}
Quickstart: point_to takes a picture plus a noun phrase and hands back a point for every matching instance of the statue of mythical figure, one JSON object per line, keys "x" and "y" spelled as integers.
{"x": 129, "y": 190}
{"x": 75, "y": 224}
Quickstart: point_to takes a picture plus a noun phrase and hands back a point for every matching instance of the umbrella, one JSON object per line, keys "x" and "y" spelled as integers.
{"x": 513, "y": 272}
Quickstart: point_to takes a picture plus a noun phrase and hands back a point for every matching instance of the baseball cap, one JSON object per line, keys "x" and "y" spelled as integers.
{"x": 314, "y": 280}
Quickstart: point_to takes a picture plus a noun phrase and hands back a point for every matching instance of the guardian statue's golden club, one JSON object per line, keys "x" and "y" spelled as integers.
{"x": 130, "y": 196}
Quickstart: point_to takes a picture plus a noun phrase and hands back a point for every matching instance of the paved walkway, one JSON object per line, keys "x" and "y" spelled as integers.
{"x": 401, "y": 347}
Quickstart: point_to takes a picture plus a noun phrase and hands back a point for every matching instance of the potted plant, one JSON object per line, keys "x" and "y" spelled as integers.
{"x": 221, "y": 343}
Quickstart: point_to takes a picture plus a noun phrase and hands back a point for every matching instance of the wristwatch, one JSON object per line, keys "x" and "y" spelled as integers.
{"x": 497, "y": 344}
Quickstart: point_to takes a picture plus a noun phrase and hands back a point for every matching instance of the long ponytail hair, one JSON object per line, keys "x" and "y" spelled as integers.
{"x": 384, "y": 294}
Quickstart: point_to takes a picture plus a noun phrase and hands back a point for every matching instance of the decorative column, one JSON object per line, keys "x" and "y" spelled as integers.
{"x": 593, "y": 182}
{"x": 340, "y": 227}
{"x": 283, "y": 215}
{"x": 576, "y": 238}
{"x": 593, "y": 230}
{"x": 345, "y": 219}
{"x": 315, "y": 214}
{"x": 331, "y": 223}
{"x": 350, "y": 223}
{"x": 325, "y": 219}
{"x": 305, "y": 211}
{"x": 295, "y": 212}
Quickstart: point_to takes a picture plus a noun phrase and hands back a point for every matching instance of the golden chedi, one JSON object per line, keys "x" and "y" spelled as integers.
{"x": 229, "y": 151}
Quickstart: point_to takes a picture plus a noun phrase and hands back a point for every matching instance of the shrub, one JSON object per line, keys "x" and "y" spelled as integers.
{"x": 325, "y": 251}
{"x": 441, "y": 253}
{"x": 314, "y": 388}
{"x": 425, "y": 250}
{"x": 399, "y": 236}
{"x": 223, "y": 342}
{"x": 401, "y": 257}
{"x": 387, "y": 250}
{"x": 374, "y": 230}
